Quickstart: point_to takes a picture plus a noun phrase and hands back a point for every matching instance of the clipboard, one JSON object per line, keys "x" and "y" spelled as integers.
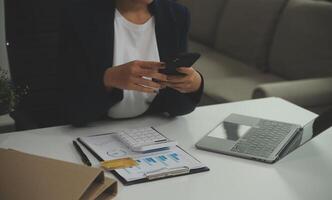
{"x": 144, "y": 180}
{"x": 150, "y": 176}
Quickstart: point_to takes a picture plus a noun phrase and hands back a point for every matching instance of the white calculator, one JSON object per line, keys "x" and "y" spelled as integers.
{"x": 144, "y": 139}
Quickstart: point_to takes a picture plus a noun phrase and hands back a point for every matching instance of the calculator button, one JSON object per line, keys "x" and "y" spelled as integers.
{"x": 146, "y": 138}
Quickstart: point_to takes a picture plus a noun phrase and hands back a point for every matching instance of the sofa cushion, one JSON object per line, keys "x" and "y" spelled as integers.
{"x": 227, "y": 79}
{"x": 204, "y": 18}
{"x": 302, "y": 46}
{"x": 246, "y": 29}
{"x": 238, "y": 88}
{"x": 214, "y": 65}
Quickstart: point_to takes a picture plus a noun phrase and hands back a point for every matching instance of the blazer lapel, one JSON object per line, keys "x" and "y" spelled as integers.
{"x": 166, "y": 31}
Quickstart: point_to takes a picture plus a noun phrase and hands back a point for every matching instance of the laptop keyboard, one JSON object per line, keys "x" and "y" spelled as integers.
{"x": 262, "y": 141}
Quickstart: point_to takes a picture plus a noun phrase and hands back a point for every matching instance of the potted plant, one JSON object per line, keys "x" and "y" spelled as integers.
{"x": 9, "y": 94}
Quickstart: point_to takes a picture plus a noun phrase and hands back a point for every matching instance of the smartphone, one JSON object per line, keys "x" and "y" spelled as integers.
{"x": 181, "y": 60}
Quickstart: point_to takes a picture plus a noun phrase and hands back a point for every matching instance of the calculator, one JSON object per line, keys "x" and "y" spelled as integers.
{"x": 144, "y": 139}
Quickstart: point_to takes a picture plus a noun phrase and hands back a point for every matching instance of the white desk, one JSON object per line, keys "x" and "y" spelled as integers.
{"x": 304, "y": 174}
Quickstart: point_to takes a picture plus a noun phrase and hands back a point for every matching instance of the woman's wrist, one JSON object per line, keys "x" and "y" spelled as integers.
{"x": 107, "y": 79}
{"x": 198, "y": 81}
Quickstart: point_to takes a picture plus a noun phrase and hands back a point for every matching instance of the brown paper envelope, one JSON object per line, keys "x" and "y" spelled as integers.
{"x": 25, "y": 176}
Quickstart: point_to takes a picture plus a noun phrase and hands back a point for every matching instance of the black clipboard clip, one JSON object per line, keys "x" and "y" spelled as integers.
{"x": 167, "y": 172}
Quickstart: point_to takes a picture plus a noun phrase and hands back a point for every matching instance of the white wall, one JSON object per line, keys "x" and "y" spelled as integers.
{"x": 3, "y": 51}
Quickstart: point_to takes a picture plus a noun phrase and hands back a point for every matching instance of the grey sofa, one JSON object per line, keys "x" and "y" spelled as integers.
{"x": 261, "y": 48}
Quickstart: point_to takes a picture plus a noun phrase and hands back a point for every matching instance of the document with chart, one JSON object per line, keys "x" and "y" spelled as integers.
{"x": 165, "y": 163}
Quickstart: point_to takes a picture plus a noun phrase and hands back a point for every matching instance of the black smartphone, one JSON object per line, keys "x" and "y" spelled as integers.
{"x": 181, "y": 60}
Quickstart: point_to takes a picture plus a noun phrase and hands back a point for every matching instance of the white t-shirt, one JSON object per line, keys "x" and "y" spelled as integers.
{"x": 133, "y": 42}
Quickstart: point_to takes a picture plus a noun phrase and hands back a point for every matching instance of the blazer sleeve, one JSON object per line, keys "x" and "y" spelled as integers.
{"x": 169, "y": 100}
{"x": 84, "y": 96}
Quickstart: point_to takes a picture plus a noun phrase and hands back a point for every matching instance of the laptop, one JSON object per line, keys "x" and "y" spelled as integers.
{"x": 257, "y": 139}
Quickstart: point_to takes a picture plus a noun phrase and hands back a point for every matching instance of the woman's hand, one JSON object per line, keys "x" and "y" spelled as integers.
{"x": 189, "y": 82}
{"x": 133, "y": 76}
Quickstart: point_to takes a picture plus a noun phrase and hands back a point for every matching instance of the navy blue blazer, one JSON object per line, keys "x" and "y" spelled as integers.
{"x": 86, "y": 50}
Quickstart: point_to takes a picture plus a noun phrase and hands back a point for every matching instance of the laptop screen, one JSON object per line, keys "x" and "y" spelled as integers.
{"x": 308, "y": 132}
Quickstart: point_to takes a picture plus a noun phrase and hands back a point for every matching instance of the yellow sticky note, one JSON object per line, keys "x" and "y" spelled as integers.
{"x": 118, "y": 163}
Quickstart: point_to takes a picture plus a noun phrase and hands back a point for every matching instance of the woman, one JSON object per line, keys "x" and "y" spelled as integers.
{"x": 112, "y": 52}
